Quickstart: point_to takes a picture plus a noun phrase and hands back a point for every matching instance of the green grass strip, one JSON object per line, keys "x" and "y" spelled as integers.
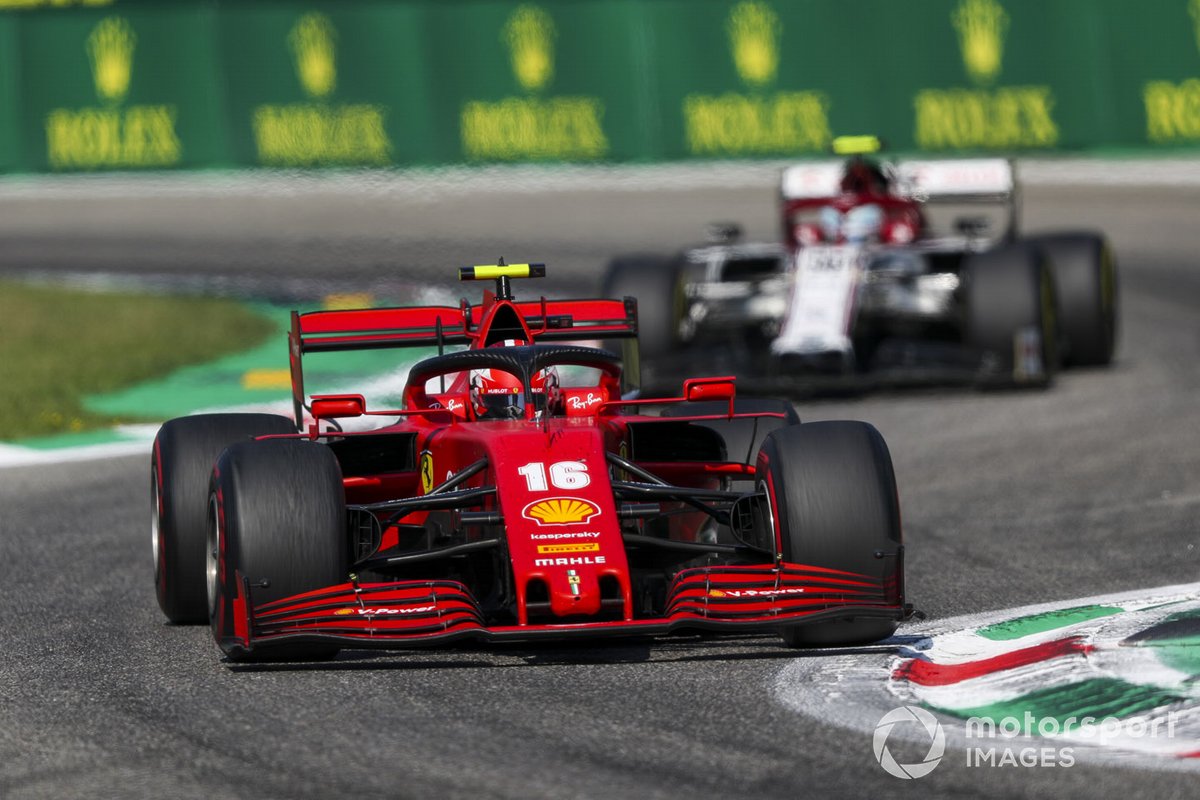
{"x": 59, "y": 346}
{"x": 225, "y": 381}
{"x": 1046, "y": 621}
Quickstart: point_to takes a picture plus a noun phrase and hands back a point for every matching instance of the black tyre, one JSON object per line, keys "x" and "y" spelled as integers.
{"x": 836, "y": 506}
{"x": 743, "y": 437}
{"x": 1085, "y": 281}
{"x": 181, "y": 464}
{"x": 278, "y": 517}
{"x": 1011, "y": 315}
{"x": 655, "y": 283}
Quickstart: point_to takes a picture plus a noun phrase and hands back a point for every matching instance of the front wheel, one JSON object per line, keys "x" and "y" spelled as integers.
{"x": 832, "y": 493}
{"x": 277, "y": 518}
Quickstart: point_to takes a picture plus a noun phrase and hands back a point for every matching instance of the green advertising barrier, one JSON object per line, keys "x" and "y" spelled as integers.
{"x": 10, "y": 123}
{"x": 123, "y": 84}
{"x": 319, "y": 84}
{"x": 526, "y": 82}
{"x": 137, "y": 89}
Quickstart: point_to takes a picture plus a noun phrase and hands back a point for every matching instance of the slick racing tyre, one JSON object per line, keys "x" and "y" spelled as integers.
{"x": 1011, "y": 315}
{"x": 1085, "y": 280}
{"x": 655, "y": 283}
{"x": 835, "y": 504}
{"x": 277, "y": 517}
{"x": 182, "y": 461}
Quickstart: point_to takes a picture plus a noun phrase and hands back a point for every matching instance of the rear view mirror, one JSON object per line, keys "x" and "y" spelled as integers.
{"x": 696, "y": 389}
{"x": 329, "y": 406}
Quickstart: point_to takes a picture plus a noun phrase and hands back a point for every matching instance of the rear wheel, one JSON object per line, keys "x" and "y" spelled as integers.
{"x": 654, "y": 281}
{"x": 833, "y": 497}
{"x": 1085, "y": 279}
{"x": 181, "y": 463}
{"x": 277, "y": 518}
{"x": 1010, "y": 315}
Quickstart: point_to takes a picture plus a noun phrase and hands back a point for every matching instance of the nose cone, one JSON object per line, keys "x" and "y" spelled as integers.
{"x": 574, "y": 591}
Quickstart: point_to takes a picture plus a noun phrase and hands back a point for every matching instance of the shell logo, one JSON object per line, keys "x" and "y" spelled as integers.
{"x": 560, "y": 511}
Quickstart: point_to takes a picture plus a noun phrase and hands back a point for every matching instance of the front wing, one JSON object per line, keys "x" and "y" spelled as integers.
{"x": 401, "y": 614}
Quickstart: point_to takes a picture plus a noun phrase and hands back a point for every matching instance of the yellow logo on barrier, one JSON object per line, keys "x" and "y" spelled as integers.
{"x": 561, "y": 511}
{"x": 1001, "y": 118}
{"x": 110, "y": 50}
{"x": 981, "y": 25}
{"x": 1173, "y": 109}
{"x": 754, "y": 38}
{"x": 112, "y": 136}
{"x": 755, "y": 123}
{"x": 317, "y": 133}
{"x": 1194, "y": 10}
{"x": 533, "y": 127}
{"x": 312, "y": 42}
{"x": 530, "y": 35}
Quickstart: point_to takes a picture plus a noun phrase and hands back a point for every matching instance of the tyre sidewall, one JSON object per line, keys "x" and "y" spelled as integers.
{"x": 832, "y": 493}
{"x": 280, "y": 509}
{"x": 1085, "y": 276}
{"x": 181, "y": 464}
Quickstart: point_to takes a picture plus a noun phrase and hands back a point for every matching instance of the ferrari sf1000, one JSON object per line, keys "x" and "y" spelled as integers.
{"x": 521, "y": 490}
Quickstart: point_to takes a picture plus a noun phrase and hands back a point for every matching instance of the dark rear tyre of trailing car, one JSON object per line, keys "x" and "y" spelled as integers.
{"x": 654, "y": 281}
{"x": 836, "y": 506}
{"x": 1011, "y": 315}
{"x": 277, "y": 517}
{"x": 1085, "y": 280}
{"x": 182, "y": 461}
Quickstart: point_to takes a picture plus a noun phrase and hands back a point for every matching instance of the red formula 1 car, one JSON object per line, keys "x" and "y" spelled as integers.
{"x": 522, "y": 491}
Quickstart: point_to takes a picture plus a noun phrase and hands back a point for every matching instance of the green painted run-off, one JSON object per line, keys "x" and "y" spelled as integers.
{"x": 1045, "y": 621}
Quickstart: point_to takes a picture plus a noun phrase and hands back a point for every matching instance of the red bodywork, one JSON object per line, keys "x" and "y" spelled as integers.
{"x": 551, "y": 536}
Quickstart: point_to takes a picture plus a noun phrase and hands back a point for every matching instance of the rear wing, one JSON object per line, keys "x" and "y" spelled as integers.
{"x": 985, "y": 179}
{"x": 964, "y": 181}
{"x": 988, "y": 180}
{"x": 442, "y": 326}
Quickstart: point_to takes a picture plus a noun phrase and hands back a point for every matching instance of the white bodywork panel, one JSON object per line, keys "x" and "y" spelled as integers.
{"x": 821, "y": 306}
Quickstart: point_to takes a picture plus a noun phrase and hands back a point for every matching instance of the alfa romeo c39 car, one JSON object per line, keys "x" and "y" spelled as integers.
{"x": 887, "y": 273}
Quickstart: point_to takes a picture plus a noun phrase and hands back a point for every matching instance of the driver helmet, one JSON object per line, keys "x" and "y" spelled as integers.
{"x": 496, "y": 394}
{"x": 863, "y": 176}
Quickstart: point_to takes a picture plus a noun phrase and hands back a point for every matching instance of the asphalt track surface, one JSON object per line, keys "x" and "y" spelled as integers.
{"x": 1008, "y": 499}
